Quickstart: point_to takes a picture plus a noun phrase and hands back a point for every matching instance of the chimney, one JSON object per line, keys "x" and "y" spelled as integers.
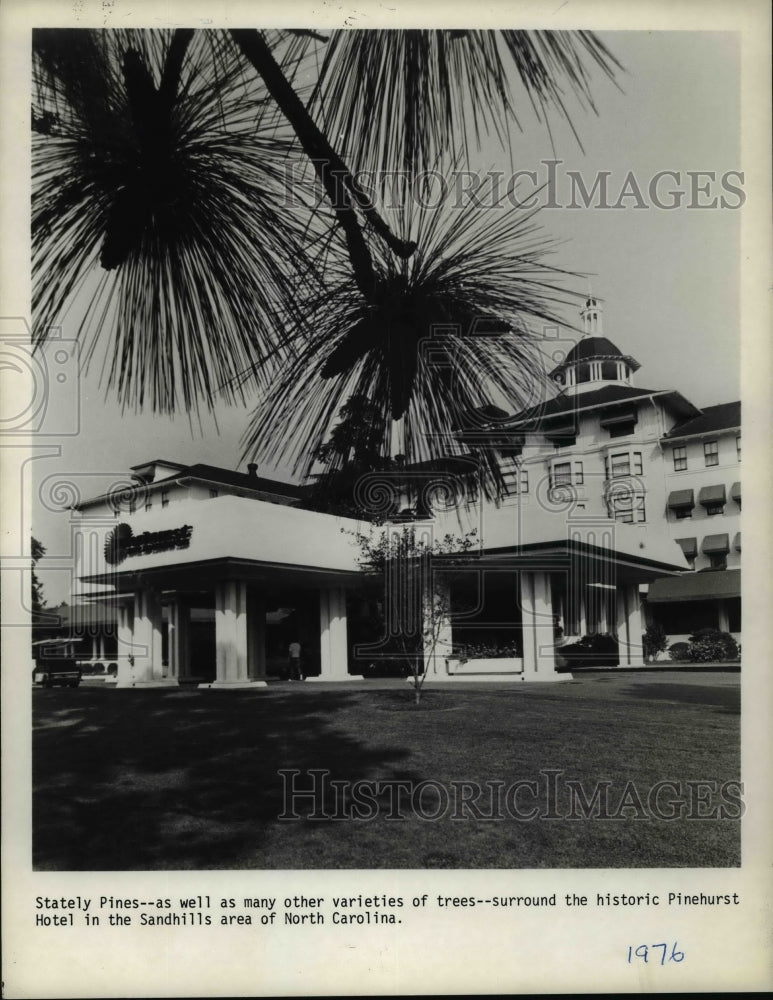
{"x": 252, "y": 470}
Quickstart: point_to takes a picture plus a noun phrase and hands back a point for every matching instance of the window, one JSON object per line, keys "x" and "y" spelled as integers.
{"x": 714, "y": 507}
{"x": 148, "y": 504}
{"x": 510, "y": 483}
{"x": 718, "y": 560}
{"x": 738, "y": 447}
{"x": 583, "y": 373}
{"x": 624, "y": 463}
{"x": 566, "y": 474}
{"x": 619, "y": 465}
{"x": 628, "y": 509}
{"x": 608, "y": 370}
{"x": 164, "y": 498}
{"x": 515, "y": 481}
{"x": 711, "y": 452}
{"x": 680, "y": 458}
{"x": 213, "y": 494}
{"x": 622, "y": 430}
{"x": 563, "y": 436}
{"x": 683, "y": 617}
{"x": 620, "y": 422}
{"x": 682, "y": 513}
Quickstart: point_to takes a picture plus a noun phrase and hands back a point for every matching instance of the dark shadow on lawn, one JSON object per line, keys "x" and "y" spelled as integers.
{"x": 132, "y": 780}
{"x": 725, "y": 699}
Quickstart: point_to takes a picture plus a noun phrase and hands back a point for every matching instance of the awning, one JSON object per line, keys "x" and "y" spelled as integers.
{"x": 735, "y": 492}
{"x": 619, "y": 417}
{"x": 737, "y": 541}
{"x": 561, "y": 430}
{"x": 695, "y": 586}
{"x": 689, "y": 546}
{"x": 716, "y": 543}
{"x": 711, "y": 494}
{"x": 681, "y": 498}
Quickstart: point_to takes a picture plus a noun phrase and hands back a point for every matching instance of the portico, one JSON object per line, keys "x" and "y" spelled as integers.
{"x": 197, "y": 581}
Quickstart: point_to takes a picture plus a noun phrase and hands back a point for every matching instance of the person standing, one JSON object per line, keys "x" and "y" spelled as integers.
{"x": 294, "y": 652}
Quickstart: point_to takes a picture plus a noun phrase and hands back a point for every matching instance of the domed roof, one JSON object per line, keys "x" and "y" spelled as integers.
{"x": 593, "y": 347}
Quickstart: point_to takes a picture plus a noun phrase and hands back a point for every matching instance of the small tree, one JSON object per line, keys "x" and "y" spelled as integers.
{"x": 417, "y": 612}
{"x": 654, "y": 641}
{"x": 353, "y": 449}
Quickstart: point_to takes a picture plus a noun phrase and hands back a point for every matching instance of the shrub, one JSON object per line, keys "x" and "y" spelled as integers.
{"x": 679, "y": 652}
{"x": 487, "y": 651}
{"x": 591, "y": 651}
{"x": 654, "y": 640}
{"x": 709, "y": 644}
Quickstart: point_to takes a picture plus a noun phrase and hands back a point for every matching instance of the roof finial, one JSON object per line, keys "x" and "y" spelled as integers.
{"x": 591, "y": 315}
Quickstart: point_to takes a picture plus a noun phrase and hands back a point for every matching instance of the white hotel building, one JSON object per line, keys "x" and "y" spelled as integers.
{"x": 621, "y": 504}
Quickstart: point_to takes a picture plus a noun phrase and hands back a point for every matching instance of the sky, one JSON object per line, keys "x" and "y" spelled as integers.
{"x": 669, "y": 279}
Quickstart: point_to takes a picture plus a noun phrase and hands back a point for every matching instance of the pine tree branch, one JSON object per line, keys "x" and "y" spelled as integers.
{"x": 340, "y": 186}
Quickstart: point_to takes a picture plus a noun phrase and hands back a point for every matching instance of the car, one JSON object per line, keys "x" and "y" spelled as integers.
{"x": 55, "y": 663}
{"x": 50, "y": 673}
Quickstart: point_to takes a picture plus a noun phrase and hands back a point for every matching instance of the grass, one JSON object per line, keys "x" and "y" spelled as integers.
{"x": 162, "y": 779}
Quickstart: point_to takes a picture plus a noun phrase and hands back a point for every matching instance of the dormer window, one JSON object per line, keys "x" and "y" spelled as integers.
{"x": 619, "y": 423}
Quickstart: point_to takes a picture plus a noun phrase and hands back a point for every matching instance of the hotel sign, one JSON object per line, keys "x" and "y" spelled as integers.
{"x": 122, "y": 542}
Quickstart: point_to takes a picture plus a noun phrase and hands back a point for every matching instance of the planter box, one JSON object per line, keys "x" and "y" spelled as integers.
{"x": 492, "y": 668}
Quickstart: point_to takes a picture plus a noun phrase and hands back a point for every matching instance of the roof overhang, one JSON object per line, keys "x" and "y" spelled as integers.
{"x": 599, "y": 562}
{"x": 696, "y": 587}
{"x": 677, "y": 401}
{"x": 668, "y": 439}
{"x": 201, "y": 575}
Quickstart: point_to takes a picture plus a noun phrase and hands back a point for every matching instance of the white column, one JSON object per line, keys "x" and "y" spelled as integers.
{"x": 124, "y": 634}
{"x": 538, "y": 639}
{"x": 256, "y": 635}
{"x": 582, "y": 599}
{"x": 179, "y": 639}
{"x": 602, "y": 596}
{"x": 231, "y": 636}
{"x": 723, "y": 617}
{"x": 333, "y": 645}
{"x": 629, "y": 626}
{"x": 146, "y": 637}
{"x": 436, "y": 628}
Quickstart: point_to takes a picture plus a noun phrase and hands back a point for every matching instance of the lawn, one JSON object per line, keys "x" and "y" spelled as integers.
{"x": 177, "y": 778}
